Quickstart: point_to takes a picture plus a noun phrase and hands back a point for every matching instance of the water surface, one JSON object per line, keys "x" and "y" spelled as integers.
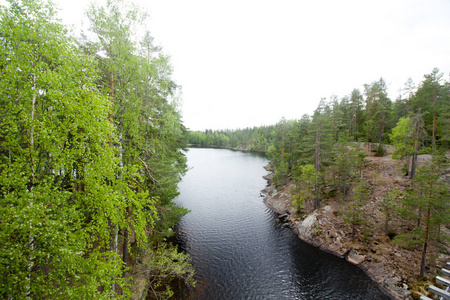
{"x": 239, "y": 248}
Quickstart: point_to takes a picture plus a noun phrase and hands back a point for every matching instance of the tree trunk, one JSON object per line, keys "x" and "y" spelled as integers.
{"x": 31, "y": 184}
{"x": 125, "y": 245}
{"x": 425, "y": 244}
{"x": 416, "y": 149}
{"x": 434, "y": 118}
{"x": 317, "y": 168}
{"x": 125, "y": 251}
{"x": 354, "y": 126}
{"x": 413, "y": 165}
{"x": 353, "y": 232}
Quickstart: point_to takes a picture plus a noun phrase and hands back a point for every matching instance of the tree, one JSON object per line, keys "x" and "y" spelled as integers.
{"x": 136, "y": 77}
{"x": 403, "y": 142}
{"x": 388, "y": 205}
{"x": 408, "y": 137}
{"x": 354, "y": 214}
{"x": 321, "y": 126}
{"x": 305, "y": 186}
{"x": 417, "y": 133}
{"x": 429, "y": 99}
{"x": 346, "y": 163}
{"x": 378, "y": 107}
{"x": 356, "y": 102}
{"x": 57, "y": 174}
{"x": 409, "y": 93}
{"x": 427, "y": 201}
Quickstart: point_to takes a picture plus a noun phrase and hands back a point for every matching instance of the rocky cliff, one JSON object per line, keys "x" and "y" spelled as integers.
{"x": 394, "y": 268}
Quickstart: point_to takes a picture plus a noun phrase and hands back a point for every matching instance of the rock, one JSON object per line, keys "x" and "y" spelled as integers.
{"x": 447, "y": 179}
{"x": 269, "y": 177}
{"x": 328, "y": 209}
{"x": 389, "y": 169}
{"x": 306, "y": 228}
{"x": 283, "y": 217}
{"x": 394, "y": 284}
{"x": 355, "y": 259}
{"x": 268, "y": 190}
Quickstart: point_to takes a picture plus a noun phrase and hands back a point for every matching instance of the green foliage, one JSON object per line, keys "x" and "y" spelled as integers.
{"x": 411, "y": 240}
{"x": 306, "y": 179}
{"x": 323, "y": 138}
{"x": 151, "y": 137}
{"x": 57, "y": 172}
{"x": 354, "y": 214}
{"x": 388, "y": 207}
{"x": 254, "y": 139}
{"x": 401, "y": 139}
{"x": 380, "y": 150}
{"x": 165, "y": 266}
{"x": 77, "y": 169}
{"x": 378, "y": 107}
{"x": 427, "y": 203}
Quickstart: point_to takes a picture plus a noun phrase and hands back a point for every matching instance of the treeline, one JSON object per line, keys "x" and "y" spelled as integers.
{"x": 90, "y": 156}
{"x": 367, "y": 116}
{"x": 253, "y": 139}
{"x": 421, "y": 121}
{"x": 322, "y": 153}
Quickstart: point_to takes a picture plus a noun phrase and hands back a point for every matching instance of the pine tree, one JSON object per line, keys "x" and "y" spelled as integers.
{"x": 427, "y": 202}
{"x": 354, "y": 213}
{"x": 429, "y": 100}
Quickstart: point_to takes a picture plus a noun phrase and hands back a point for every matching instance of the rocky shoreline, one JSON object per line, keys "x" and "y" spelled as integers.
{"x": 323, "y": 229}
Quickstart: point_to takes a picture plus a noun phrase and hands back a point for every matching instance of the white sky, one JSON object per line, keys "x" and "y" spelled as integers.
{"x": 245, "y": 63}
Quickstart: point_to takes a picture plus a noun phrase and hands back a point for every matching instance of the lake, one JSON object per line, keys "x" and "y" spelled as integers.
{"x": 239, "y": 248}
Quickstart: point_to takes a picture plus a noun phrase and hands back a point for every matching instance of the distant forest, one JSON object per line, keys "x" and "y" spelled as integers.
{"x": 365, "y": 117}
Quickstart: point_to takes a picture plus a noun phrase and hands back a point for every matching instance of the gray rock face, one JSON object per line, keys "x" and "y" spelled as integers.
{"x": 328, "y": 209}
{"x": 355, "y": 258}
{"x": 395, "y": 284}
{"x": 306, "y": 228}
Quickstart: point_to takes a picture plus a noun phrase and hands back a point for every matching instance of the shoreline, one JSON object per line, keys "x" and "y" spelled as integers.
{"x": 243, "y": 149}
{"x": 306, "y": 230}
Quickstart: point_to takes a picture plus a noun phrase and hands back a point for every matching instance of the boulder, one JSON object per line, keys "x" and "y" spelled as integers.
{"x": 306, "y": 228}
{"x": 328, "y": 209}
{"x": 395, "y": 284}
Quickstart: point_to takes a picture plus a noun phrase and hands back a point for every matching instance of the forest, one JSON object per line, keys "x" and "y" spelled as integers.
{"x": 322, "y": 154}
{"x": 357, "y": 117}
{"x": 91, "y": 151}
{"x": 92, "y": 143}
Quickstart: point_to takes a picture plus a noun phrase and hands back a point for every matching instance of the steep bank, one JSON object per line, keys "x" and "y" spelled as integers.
{"x": 394, "y": 268}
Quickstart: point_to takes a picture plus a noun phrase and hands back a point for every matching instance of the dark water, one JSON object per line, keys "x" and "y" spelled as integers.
{"x": 238, "y": 247}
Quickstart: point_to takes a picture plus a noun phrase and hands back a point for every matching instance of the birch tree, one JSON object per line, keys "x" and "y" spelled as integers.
{"x": 55, "y": 200}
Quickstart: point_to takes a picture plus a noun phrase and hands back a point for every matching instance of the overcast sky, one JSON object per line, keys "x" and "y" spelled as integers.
{"x": 245, "y": 63}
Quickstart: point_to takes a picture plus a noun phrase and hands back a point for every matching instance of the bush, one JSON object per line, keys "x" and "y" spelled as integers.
{"x": 380, "y": 151}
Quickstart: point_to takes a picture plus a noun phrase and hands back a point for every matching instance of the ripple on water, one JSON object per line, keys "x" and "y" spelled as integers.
{"x": 238, "y": 247}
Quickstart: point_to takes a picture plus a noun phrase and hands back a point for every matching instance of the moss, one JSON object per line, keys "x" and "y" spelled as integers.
{"x": 419, "y": 288}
